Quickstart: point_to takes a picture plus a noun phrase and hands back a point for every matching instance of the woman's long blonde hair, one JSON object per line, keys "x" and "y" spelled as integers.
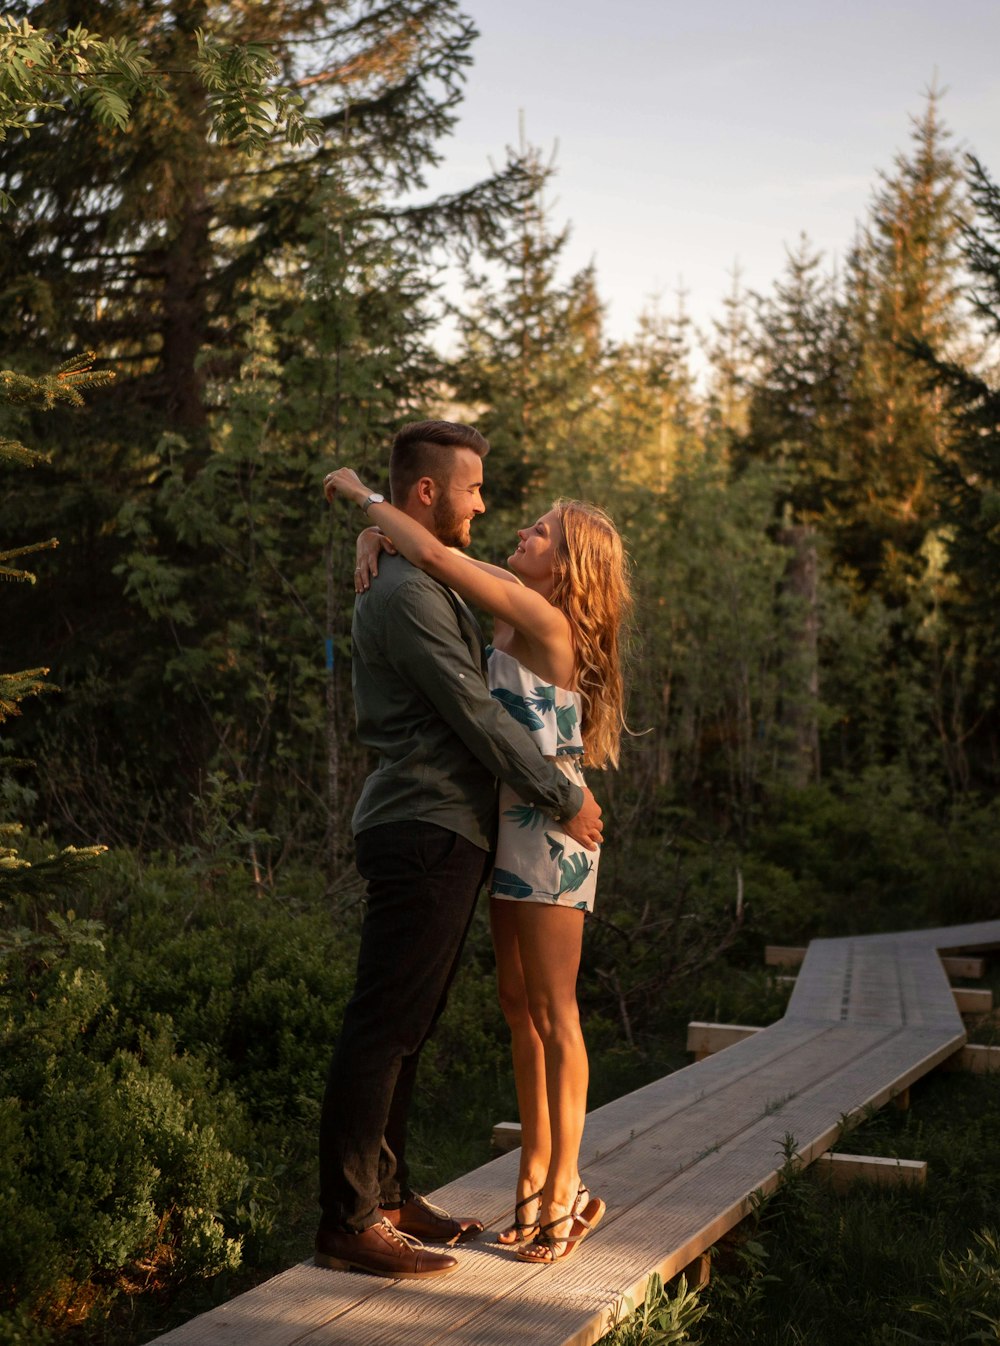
{"x": 591, "y": 575}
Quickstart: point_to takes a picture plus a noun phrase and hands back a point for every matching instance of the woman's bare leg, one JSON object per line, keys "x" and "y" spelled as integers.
{"x": 529, "y": 1062}
{"x": 549, "y": 941}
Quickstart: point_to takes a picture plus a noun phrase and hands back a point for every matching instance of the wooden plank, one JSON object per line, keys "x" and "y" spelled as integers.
{"x": 956, "y": 966}
{"x": 783, "y": 955}
{"x": 842, "y": 1171}
{"x": 506, "y": 1136}
{"x": 970, "y": 1001}
{"x": 974, "y": 1056}
{"x": 703, "y": 1039}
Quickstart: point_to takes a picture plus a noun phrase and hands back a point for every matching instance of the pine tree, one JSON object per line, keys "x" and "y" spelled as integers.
{"x": 730, "y": 353}
{"x": 969, "y": 473}
{"x": 961, "y": 627}
{"x": 650, "y": 416}
{"x": 529, "y": 357}
{"x": 901, "y": 286}
{"x": 796, "y": 392}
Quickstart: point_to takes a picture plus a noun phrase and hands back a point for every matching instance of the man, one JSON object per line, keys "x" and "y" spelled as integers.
{"x": 424, "y": 827}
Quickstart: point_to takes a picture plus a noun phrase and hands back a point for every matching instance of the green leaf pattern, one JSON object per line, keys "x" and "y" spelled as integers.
{"x": 510, "y": 885}
{"x": 574, "y": 872}
{"x": 533, "y": 863}
{"x": 544, "y": 698}
{"x": 566, "y": 720}
{"x": 516, "y": 706}
{"x": 525, "y": 815}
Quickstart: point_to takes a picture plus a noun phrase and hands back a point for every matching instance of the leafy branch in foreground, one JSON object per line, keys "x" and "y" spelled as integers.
{"x": 18, "y": 875}
{"x": 41, "y": 70}
{"x": 65, "y": 386}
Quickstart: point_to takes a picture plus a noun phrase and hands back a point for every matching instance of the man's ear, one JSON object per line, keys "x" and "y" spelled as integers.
{"x": 425, "y": 490}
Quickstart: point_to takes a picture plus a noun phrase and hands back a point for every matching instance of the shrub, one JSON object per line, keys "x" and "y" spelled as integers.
{"x": 115, "y": 1172}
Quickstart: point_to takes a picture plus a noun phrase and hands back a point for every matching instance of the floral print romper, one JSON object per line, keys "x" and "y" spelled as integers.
{"x": 535, "y": 860}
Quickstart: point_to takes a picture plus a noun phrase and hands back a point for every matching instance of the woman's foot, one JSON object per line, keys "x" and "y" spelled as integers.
{"x": 525, "y": 1225}
{"x": 559, "y": 1237}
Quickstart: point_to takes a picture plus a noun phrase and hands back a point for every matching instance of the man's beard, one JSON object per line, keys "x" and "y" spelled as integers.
{"x": 450, "y": 527}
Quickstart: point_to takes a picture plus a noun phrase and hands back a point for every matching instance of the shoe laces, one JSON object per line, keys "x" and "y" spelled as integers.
{"x": 430, "y": 1206}
{"x": 401, "y": 1236}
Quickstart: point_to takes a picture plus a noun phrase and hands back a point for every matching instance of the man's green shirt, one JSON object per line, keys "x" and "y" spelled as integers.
{"x": 423, "y": 704}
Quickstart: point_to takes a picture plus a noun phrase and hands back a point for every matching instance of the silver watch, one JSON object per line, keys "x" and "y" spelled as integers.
{"x": 373, "y": 499}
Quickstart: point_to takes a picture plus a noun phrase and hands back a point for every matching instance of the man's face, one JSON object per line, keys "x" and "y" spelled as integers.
{"x": 459, "y": 500}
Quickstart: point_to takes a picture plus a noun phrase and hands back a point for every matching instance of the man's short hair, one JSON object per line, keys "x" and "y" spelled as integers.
{"x": 427, "y": 449}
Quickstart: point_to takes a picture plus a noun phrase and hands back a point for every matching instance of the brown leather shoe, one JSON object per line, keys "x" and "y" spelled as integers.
{"x": 417, "y": 1217}
{"x": 380, "y": 1250}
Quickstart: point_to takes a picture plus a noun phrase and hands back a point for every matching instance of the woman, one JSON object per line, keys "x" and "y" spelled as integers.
{"x": 555, "y": 667}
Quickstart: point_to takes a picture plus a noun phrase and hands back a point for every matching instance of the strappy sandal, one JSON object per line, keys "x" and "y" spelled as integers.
{"x": 548, "y": 1247}
{"x": 523, "y": 1230}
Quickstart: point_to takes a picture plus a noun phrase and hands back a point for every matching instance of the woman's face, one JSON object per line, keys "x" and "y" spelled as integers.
{"x": 534, "y": 556}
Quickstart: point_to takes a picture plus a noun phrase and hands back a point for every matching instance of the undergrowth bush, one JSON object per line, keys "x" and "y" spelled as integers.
{"x": 119, "y": 1168}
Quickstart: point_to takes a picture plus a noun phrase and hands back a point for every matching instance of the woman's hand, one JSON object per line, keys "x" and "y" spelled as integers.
{"x": 345, "y": 482}
{"x": 370, "y": 543}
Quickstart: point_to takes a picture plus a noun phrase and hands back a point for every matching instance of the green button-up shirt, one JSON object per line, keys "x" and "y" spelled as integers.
{"x": 423, "y": 704}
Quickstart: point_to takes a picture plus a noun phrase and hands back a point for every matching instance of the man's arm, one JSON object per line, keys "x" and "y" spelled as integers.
{"x": 427, "y": 649}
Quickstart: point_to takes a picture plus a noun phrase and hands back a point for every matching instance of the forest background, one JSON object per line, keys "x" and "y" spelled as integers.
{"x": 815, "y": 527}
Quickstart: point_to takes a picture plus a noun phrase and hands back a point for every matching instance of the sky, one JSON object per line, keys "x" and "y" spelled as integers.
{"x": 693, "y": 138}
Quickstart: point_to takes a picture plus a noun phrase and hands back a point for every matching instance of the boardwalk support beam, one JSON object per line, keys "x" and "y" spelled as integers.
{"x": 843, "y": 1170}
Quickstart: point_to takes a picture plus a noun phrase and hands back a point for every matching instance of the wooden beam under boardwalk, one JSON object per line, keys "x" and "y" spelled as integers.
{"x": 678, "y": 1163}
{"x": 842, "y": 1171}
{"x": 704, "y": 1039}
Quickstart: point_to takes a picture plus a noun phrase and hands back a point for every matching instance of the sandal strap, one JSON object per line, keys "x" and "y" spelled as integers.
{"x": 526, "y": 1201}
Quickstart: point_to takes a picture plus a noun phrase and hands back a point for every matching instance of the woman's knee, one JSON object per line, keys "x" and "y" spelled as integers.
{"x": 555, "y": 1020}
{"x": 514, "y": 1003}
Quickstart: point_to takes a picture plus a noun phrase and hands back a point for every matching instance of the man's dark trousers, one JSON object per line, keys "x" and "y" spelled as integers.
{"x": 423, "y": 881}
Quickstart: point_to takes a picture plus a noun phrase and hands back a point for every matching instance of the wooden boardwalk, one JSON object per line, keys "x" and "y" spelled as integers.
{"x": 677, "y": 1163}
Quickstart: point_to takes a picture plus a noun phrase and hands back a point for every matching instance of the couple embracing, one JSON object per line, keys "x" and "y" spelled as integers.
{"x": 449, "y": 720}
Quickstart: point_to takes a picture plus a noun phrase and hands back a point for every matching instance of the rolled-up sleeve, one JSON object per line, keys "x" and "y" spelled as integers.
{"x": 426, "y": 650}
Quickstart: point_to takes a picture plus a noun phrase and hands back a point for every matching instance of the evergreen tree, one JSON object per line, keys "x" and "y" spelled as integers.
{"x": 650, "y": 413}
{"x": 796, "y": 385}
{"x": 730, "y": 353}
{"x": 902, "y": 285}
{"x": 529, "y": 358}
{"x": 960, "y": 626}
{"x": 969, "y": 474}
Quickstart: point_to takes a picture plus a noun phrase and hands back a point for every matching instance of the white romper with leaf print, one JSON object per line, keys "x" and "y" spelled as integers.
{"x": 536, "y": 861}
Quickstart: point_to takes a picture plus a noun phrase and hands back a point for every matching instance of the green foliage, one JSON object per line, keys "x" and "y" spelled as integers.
{"x": 18, "y": 874}
{"x": 710, "y": 573}
{"x": 117, "y": 1168}
{"x": 965, "y": 1303}
{"x": 63, "y": 387}
{"x": 40, "y": 69}
{"x": 663, "y": 1319}
{"x": 864, "y": 854}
